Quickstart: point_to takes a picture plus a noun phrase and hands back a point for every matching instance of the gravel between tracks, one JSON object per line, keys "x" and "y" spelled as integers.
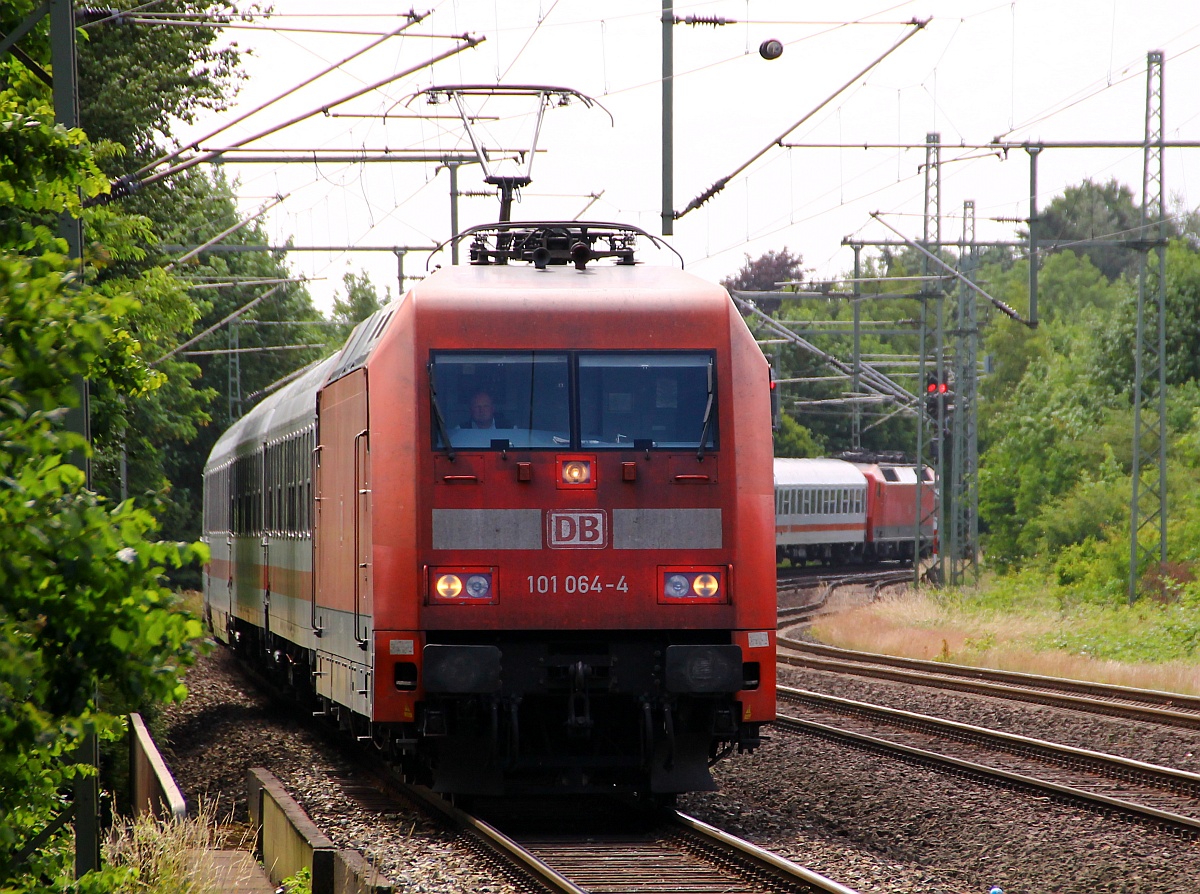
{"x": 867, "y": 822}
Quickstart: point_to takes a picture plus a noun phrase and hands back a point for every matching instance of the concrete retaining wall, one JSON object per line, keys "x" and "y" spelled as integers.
{"x": 152, "y": 788}
{"x": 288, "y": 841}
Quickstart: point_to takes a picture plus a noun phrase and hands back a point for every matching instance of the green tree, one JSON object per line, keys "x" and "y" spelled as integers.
{"x": 1095, "y": 212}
{"x": 138, "y": 80}
{"x": 45, "y": 169}
{"x": 87, "y": 630}
{"x": 361, "y": 300}
{"x": 1183, "y": 322}
{"x": 82, "y": 609}
{"x": 818, "y": 401}
{"x": 793, "y": 439}
{"x": 152, "y": 445}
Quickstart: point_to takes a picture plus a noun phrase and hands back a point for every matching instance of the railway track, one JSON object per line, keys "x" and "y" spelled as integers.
{"x": 1146, "y": 705}
{"x": 628, "y": 847}
{"x": 817, "y": 588}
{"x": 593, "y": 847}
{"x": 1166, "y": 797}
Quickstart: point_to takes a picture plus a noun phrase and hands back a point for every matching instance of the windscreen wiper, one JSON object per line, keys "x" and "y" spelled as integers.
{"x": 708, "y": 413}
{"x": 438, "y": 417}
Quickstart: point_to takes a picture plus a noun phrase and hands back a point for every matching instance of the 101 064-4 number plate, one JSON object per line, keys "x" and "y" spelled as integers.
{"x": 574, "y": 583}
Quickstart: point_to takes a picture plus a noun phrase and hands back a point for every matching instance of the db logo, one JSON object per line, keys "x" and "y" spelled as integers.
{"x": 576, "y": 529}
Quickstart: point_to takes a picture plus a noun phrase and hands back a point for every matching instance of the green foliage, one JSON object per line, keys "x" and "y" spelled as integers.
{"x": 1086, "y": 615}
{"x": 1091, "y": 508}
{"x": 137, "y": 80}
{"x": 1118, "y": 338}
{"x": 360, "y": 302}
{"x": 825, "y": 321}
{"x": 1148, "y": 632}
{"x": 1092, "y": 211}
{"x": 45, "y": 169}
{"x": 83, "y": 612}
{"x": 300, "y": 883}
{"x": 793, "y": 439}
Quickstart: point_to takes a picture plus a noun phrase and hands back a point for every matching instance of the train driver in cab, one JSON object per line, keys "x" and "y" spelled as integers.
{"x": 483, "y": 412}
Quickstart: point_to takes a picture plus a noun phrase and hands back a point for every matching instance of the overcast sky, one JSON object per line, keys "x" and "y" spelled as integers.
{"x": 1028, "y": 70}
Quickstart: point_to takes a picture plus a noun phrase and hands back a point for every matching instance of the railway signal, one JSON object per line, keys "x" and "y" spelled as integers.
{"x": 937, "y": 395}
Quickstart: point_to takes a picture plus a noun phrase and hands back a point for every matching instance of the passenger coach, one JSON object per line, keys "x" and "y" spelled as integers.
{"x": 859, "y": 507}
{"x": 518, "y": 530}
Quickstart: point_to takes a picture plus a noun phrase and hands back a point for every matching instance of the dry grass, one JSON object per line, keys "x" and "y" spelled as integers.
{"x": 915, "y": 626}
{"x": 192, "y": 601}
{"x": 169, "y": 856}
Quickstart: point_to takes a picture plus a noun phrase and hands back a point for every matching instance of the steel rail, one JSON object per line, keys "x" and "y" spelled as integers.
{"x": 588, "y": 856}
{"x": 756, "y": 854}
{"x": 742, "y": 867}
{"x": 1146, "y": 705}
{"x": 1178, "y": 782}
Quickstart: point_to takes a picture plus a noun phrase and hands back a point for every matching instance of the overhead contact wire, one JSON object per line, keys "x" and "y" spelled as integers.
{"x": 918, "y": 25}
{"x": 195, "y": 143}
{"x": 209, "y": 156}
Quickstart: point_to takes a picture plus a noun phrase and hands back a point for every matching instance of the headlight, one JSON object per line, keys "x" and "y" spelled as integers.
{"x": 676, "y": 586}
{"x": 576, "y": 472}
{"x": 462, "y": 586}
{"x": 692, "y": 584}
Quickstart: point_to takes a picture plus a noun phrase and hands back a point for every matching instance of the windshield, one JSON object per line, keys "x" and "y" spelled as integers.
{"x": 520, "y": 399}
{"x": 564, "y": 400}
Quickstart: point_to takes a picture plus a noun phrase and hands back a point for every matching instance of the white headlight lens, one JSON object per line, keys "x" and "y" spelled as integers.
{"x": 676, "y": 586}
{"x": 577, "y": 471}
{"x": 479, "y": 586}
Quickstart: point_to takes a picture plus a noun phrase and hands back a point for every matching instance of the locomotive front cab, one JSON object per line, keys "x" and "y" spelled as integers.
{"x": 594, "y": 613}
{"x": 584, "y": 516}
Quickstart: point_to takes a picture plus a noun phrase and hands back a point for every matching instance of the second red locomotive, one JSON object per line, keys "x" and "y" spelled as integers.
{"x": 518, "y": 530}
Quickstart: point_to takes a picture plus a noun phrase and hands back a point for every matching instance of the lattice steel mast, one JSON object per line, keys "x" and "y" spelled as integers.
{"x": 963, "y": 534}
{"x": 1149, "y": 500}
{"x": 931, "y": 425}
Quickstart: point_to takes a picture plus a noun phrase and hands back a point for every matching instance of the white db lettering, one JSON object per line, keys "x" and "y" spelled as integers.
{"x": 576, "y": 529}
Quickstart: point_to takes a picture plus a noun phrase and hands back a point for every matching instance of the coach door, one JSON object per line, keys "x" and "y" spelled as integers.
{"x": 363, "y": 607}
{"x": 343, "y": 523}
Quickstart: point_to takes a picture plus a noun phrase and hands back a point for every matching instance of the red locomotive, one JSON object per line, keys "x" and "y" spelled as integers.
{"x": 858, "y": 508}
{"x": 517, "y": 531}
